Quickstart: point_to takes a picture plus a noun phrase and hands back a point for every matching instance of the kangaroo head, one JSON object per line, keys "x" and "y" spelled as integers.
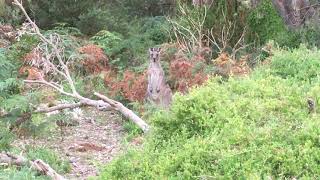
{"x": 154, "y": 54}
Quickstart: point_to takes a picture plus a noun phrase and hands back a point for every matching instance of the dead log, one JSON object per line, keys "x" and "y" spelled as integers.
{"x": 125, "y": 112}
{"x": 7, "y": 159}
{"x": 45, "y": 169}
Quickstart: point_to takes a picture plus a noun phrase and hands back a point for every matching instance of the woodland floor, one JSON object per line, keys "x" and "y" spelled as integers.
{"x": 88, "y": 146}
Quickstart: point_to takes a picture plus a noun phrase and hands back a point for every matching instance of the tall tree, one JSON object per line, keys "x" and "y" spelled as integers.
{"x": 293, "y": 12}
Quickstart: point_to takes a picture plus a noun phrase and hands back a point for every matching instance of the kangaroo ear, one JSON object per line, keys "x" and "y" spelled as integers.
{"x": 159, "y": 49}
{"x": 150, "y": 49}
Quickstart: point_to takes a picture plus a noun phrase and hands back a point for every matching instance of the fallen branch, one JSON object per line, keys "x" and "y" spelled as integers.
{"x": 125, "y": 112}
{"x": 45, "y": 169}
{"x": 52, "y": 60}
{"x": 7, "y": 159}
{"x": 59, "y": 107}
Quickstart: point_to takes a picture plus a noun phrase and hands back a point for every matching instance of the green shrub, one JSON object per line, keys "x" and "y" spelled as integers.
{"x": 94, "y": 21}
{"x": 131, "y": 129}
{"x": 108, "y": 41}
{"x": 65, "y": 29}
{"x": 155, "y": 28}
{"x": 47, "y": 13}
{"x": 310, "y": 33}
{"x": 10, "y": 86}
{"x": 11, "y": 99}
{"x": 20, "y": 173}
{"x": 9, "y": 14}
{"x": 253, "y": 127}
{"x": 6, "y": 138}
{"x": 142, "y": 8}
{"x": 93, "y": 16}
{"x": 100, "y": 18}
{"x": 300, "y": 64}
{"x": 21, "y": 48}
{"x": 266, "y": 24}
{"x": 130, "y": 50}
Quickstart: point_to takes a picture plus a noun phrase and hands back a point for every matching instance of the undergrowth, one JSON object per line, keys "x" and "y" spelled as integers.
{"x": 251, "y": 127}
{"x": 25, "y": 172}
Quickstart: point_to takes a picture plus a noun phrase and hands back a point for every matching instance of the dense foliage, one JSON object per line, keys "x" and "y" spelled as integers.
{"x": 220, "y": 125}
{"x": 251, "y": 127}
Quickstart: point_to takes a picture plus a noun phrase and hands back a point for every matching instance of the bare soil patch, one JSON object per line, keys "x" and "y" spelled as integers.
{"x": 89, "y": 145}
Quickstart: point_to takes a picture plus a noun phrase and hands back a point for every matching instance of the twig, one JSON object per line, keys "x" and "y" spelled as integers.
{"x": 53, "y": 85}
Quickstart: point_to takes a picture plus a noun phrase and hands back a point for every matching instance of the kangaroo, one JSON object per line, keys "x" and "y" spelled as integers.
{"x": 158, "y": 91}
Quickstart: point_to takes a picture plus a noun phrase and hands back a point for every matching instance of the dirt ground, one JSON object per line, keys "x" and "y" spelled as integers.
{"x": 94, "y": 142}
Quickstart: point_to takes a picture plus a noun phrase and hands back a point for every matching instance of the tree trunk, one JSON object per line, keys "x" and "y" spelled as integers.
{"x": 293, "y": 12}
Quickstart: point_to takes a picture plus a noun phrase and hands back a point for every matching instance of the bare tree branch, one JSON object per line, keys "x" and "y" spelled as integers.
{"x": 7, "y": 159}
{"x": 53, "y": 60}
{"x": 60, "y": 107}
{"x": 125, "y": 112}
{"x": 53, "y": 85}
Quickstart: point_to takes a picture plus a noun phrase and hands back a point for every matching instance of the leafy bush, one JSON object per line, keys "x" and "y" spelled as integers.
{"x": 10, "y": 87}
{"x": 21, "y": 48}
{"x": 310, "y": 33}
{"x": 265, "y": 24}
{"x": 47, "y": 13}
{"x": 15, "y": 104}
{"x": 99, "y": 18}
{"x": 301, "y": 64}
{"x": 94, "y": 60}
{"x": 132, "y": 86}
{"x": 253, "y": 127}
{"x": 93, "y": 16}
{"x": 6, "y": 138}
{"x": 130, "y": 50}
{"x": 146, "y": 7}
{"x": 10, "y": 14}
{"x": 156, "y": 29}
{"x": 8, "y": 83}
{"x": 20, "y": 173}
{"x": 93, "y": 21}
{"x": 108, "y": 41}
{"x": 64, "y": 29}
